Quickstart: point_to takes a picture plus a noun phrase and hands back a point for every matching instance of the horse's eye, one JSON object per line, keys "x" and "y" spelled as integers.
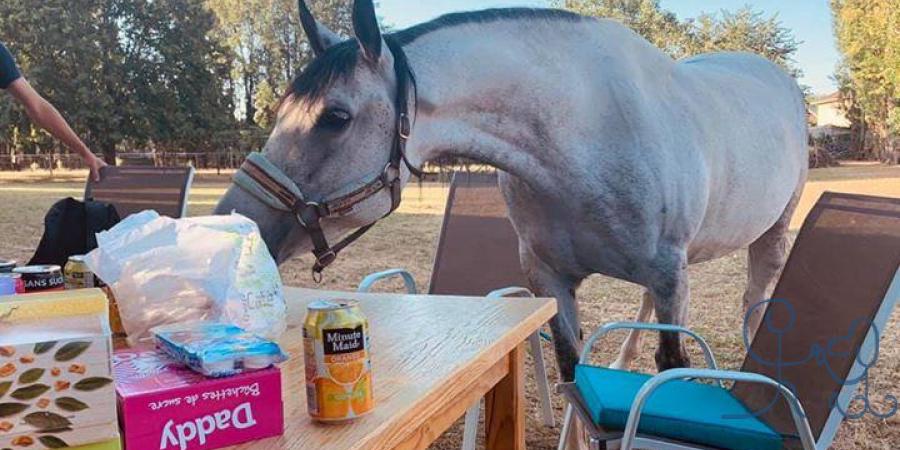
{"x": 333, "y": 119}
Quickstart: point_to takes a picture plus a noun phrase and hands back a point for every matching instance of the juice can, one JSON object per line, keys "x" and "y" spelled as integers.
{"x": 41, "y": 278}
{"x": 336, "y": 354}
{"x": 11, "y": 284}
{"x": 77, "y": 274}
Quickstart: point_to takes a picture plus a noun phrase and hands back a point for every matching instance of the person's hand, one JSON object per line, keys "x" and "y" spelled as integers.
{"x": 95, "y": 163}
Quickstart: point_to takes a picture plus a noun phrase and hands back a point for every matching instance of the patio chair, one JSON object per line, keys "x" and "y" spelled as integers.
{"x": 133, "y": 189}
{"x": 477, "y": 253}
{"x": 818, "y": 336}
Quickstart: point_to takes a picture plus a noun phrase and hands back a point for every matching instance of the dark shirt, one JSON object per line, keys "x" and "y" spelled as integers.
{"x": 8, "y": 70}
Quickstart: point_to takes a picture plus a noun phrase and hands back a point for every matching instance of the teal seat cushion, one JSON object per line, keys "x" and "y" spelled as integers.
{"x": 682, "y": 410}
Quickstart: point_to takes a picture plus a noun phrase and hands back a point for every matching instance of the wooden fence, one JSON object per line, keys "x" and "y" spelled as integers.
{"x": 55, "y": 161}
{"x": 440, "y": 171}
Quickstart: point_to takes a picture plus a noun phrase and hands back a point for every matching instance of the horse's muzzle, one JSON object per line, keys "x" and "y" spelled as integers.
{"x": 278, "y": 229}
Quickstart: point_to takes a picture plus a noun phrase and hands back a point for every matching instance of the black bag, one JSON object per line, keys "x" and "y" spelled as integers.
{"x": 70, "y": 228}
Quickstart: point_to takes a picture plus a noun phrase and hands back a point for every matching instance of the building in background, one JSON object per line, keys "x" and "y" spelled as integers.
{"x": 827, "y": 116}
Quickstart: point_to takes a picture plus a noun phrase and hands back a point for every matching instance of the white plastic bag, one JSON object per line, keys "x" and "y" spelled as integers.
{"x": 162, "y": 270}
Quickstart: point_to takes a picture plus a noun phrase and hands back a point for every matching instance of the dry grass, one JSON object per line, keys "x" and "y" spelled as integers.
{"x": 407, "y": 239}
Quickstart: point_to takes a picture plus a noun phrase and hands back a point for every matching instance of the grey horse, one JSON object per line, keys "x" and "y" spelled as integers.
{"x": 613, "y": 157}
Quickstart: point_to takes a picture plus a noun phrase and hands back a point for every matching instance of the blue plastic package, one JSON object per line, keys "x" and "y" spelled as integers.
{"x": 217, "y": 349}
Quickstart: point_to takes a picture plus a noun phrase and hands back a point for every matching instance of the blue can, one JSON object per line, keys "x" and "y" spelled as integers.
{"x": 10, "y": 283}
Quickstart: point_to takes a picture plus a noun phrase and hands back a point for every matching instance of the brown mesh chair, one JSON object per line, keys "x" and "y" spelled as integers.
{"x": 133, "y": 189}
{"x": 818, "y": 337}
{"x": 477, "y": 254}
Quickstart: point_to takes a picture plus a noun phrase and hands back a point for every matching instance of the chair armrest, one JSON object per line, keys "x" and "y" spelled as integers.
{"x": 605, "y": 329}
{"x": 510, "y": 292}
{"x": 799, "y": 416}
{"x": 372, "y": 278}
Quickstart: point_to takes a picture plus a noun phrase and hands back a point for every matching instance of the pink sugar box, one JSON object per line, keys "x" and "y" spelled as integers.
{"x": 163, "y": 405}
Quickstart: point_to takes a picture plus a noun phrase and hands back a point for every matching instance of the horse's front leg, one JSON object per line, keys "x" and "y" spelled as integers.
{"x": 668, "y": 286}
{"x": 546, "y": 282}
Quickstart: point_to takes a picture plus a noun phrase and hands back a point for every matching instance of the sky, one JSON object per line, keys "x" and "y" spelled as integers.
{"x": 810, "y": 21}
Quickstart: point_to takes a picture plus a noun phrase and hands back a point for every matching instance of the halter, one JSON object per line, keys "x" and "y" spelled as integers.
{"x": 259, "y": 177}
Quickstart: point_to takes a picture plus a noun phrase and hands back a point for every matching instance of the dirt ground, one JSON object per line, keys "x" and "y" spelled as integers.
{"x": 407, "y": 239}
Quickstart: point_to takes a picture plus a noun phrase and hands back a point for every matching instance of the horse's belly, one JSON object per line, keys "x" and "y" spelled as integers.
{"x": 735, "y": 219}
{"x": 755, "y": 153}
{"x": 715, "y": 244}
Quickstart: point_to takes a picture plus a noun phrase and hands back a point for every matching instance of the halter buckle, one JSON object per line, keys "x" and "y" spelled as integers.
{"x": 325, "y": 259}
{"x": 302, "y": 207}
{"x": 404, "y": 128}
{"x": 391, "y": 174}
{"x": 299, "y": 218}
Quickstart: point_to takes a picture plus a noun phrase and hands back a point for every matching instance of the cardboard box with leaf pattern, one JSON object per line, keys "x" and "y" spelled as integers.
{"x": 56, "y": 388}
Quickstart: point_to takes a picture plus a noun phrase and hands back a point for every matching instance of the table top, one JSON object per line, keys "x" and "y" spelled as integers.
{"x": 420, "y": 346}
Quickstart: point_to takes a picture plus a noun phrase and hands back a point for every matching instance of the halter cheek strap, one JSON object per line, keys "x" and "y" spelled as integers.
{"x": 259, "y": 177}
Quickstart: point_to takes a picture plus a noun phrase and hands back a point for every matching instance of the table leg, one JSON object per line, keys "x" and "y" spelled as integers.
{"x": 505, "y": 407}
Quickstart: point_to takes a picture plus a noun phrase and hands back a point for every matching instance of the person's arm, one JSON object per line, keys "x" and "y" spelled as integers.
{"x": 47, "y": 117}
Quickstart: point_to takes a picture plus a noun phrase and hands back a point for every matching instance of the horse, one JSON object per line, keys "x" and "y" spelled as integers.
{"x": 613, "y": 158}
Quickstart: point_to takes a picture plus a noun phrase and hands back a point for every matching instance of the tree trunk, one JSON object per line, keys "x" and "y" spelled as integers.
{"x": 892, "y": 152}
{"x": 250, "y": 109}
{"x": 109, "y": 152}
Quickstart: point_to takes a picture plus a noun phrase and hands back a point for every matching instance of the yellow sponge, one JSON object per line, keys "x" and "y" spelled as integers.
{"x": 40, "y": 306}
{"x": 112, "y": 444}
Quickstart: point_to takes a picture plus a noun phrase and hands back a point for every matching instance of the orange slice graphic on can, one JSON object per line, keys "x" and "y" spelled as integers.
{"x": 362, "y": 395}
{"x": 347, "y": 372}
{"x": 334, "y": 402}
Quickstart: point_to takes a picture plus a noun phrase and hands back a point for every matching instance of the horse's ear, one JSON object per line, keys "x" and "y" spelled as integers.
{"x": 319, "y": 36}
{"x": 365, "y": 27}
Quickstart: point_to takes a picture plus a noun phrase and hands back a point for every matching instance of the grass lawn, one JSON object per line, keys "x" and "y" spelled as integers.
{"x": 407, "y": 239}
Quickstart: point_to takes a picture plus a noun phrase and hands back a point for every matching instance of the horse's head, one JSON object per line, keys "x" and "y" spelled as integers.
{"x": 336, "y": 151}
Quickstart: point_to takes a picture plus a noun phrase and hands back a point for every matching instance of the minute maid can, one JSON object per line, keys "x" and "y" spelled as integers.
{"x": 336, "y": 354}
{"x": 77, "y": 274}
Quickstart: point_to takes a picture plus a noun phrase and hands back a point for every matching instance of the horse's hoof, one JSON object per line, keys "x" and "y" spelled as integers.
{"x": 666, "y": 361}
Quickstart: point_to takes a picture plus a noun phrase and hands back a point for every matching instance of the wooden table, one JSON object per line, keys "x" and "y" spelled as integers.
{"x": 432, "y": 358}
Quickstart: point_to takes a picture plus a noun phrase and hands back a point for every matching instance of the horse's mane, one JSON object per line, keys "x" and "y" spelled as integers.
{"x": 410, "y": 34}
{"x": 340, "y": 60}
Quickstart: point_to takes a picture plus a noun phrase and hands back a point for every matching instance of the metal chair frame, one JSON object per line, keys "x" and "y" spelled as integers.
{"x": 629, "y": 438}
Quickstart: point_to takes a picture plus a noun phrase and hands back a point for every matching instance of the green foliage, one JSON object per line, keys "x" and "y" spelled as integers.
{"x": 743, "y": 30}
{"x": 170, "y": 75}
{"x": 142, "y": 72}
{"x": 268, "y": 47}
{"x": 869, "y": 74}
{"x": 62, "y": 50}
{"x": 265, "y": 104}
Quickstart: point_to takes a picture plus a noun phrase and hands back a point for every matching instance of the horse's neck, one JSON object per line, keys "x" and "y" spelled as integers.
{"x": 514, "y": 100}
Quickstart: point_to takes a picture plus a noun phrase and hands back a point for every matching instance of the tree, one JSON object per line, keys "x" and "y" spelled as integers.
{"x": 268, "y": 46}
{"x": 122, "y": 71}
{"x": 868, "y": 36}
{"x": 62, "y": 48}
{"x": 743, "y": 30}
{"x": 182, "y": 75}
{"x": 265, "y": 104}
